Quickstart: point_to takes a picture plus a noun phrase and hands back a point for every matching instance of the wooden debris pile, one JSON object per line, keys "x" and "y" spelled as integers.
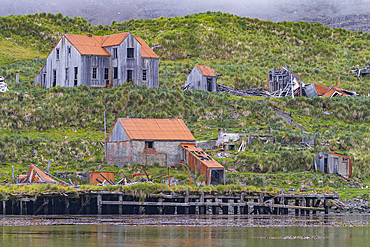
{"x": 256, "y": 92}
{"x": 361, "y": 72}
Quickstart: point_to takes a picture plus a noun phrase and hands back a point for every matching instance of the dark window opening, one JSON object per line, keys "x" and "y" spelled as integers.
{"x": 325, "y": 164}
{"x": 57, "y": 51}
{"x": 115, "y": 53}
{"x": 115, "y": 72}
{"x": 149, "y": 145}
{"x": 94, "y": 72}
{"x": 44, "y": 81}
{"x": 69, "y": 50}
{"x": 144, "y": 75}
{"x": 54, "y": 78}
{"x": 106, "y": 73}
{"x": 130, "y": 52}
{"x": 129, "y": 75}
{"x": 209, "y": 84}
{"x": 76, "y": 76}
{"x": 66, "y": 74}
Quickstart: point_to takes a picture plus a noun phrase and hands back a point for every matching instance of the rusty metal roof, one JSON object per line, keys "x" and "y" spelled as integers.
{"x": 200, "y": 155}
{"x": 321, "y": 90}
{"x": 87, "y": 44}
{"x": 145, "y": 49}
{"x": 331, "y": 92}
{"x": 114, "y": 39}
{"x": 35, "y": 175}
{"x": 341, "y": 155}
{"x": 205, "y": 70}
{"x": 156, "y": 129}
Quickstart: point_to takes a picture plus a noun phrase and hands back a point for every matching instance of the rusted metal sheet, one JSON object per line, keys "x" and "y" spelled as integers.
{"x": 198, "y": 160}
{"x": 35, "y": 175}
{"x": 97, "y": 175}
{"x": 156, "y": 129}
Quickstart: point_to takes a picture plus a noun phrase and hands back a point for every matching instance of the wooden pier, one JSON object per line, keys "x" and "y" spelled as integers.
{"x": 119, "y": 203}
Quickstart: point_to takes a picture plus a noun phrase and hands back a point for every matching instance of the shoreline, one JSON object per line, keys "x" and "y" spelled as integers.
{"x": 331, "y": 220}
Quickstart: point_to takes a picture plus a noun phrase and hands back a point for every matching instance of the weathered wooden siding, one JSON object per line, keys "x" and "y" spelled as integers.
{"x": 335, "y": 164}
{"x": 117, "y": 134}
{"x": 197, "y": 81}
{"x": 85, "y": 64}
{"x": 151, "y": 65}
{"x": 66, "y": 60}
{"x": 89, "y": 62}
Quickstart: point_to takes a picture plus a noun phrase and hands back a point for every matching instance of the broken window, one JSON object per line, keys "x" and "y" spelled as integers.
{"x": 148, "y": 145}
{"x": 95, "y": 73}
{"x": 130, "y": 52}
{"x": 57, "y": 54}
{"x": 115, "y": 53}
{"x": 144, "y": 75}
{"x": 115, "y": 72}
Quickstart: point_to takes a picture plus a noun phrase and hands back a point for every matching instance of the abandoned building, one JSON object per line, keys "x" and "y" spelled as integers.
{"x": 361, "y": 72}
{"x": 284, "y": 83}
{"x": 202, "y": 78}
{"x": 99, "y": 61}
{"x": 159, "y": 141}
{"x": 329, "y": 162}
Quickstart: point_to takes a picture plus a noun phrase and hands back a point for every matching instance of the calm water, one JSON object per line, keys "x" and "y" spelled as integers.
{"x": 172, "y": 235}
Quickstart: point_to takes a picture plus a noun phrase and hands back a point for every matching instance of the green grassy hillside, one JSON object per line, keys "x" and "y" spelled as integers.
{"x": 65, "y": 125}
{"x": 230, "y": 44}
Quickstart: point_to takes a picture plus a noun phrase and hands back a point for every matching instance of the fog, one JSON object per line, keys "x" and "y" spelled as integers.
{"x": 106, "y": 11}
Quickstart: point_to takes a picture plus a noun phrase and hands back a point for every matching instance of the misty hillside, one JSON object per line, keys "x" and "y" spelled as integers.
{"x": 348, "y": 14}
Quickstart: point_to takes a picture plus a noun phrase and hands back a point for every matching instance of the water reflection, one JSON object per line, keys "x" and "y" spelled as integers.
{"x": 122, "y": 235}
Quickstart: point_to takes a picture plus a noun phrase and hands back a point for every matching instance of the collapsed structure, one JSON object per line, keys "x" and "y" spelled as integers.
{"x": 35, "y": 175}
{"x": 159, "y": 141}
{"x": 3, "y": 85}
{"x": 361, "y": 72}
{"x": 284, "y": 83}
{"x": 329, "y": 162}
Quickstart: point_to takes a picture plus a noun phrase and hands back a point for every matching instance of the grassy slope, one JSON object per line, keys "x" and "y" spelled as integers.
{"x": 66, "y": 125}
{"x": 230, "y": 44}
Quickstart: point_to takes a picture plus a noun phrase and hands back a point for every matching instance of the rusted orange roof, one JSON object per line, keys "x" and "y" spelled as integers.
{"x": 205, "y": 70}
{"x": 145, "y": 49}
{"x": 321, "y": 90}
{"x": 156, "y": 129}
{"x": 113, "y": 39}
{"x": 200, "y": 155}
{"x": 87, "y": 44}
{"x": 341, "y": 155}
{"x": 331, "y": 92}
{"x": 345, "y": 91}
{"x": 35, "y": 175}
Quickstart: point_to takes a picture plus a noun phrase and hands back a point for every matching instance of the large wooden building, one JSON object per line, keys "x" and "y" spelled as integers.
{"x": 99, "y": 61}
{"x": 165, "y": 142}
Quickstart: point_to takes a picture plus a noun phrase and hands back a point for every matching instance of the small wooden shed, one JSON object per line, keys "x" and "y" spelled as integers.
{"x": 202, "y": 78}
{"x": 329, "y": 162}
